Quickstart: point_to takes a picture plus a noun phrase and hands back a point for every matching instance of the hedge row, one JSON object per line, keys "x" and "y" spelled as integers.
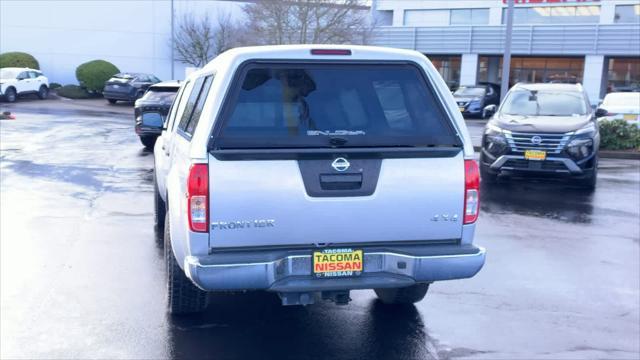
{"x": 619, "y": 135}
{"x": 18, "y": 59}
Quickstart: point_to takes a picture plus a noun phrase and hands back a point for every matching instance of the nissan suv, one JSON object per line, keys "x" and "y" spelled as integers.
{"x": 313, "y": 170}
{"x": 542, "y": 130}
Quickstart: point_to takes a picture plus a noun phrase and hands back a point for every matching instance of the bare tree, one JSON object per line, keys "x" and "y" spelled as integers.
{"x": 198, "y": 40}
{"x": 308, "y": 21}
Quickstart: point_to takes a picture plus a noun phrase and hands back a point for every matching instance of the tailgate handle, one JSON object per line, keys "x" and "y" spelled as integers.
{"x": 341, "y": 181}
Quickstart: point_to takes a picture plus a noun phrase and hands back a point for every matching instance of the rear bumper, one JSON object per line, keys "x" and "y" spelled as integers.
{"x": 117, "y": 95}
{"x": 383, "y": 268}
{"x": 147, "y": 131}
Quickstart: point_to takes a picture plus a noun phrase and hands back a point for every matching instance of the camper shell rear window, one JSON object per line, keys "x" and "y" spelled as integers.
{"x": 332, "y": 105}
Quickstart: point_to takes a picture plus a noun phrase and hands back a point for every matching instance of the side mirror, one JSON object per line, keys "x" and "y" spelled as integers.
{"x": 600, "y": 112}
{"x": 489, "y": 110}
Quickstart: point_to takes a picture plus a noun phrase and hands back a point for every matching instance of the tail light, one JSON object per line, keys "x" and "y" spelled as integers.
{"x": 471, "y": 191}
{"x": 198, "y": 197}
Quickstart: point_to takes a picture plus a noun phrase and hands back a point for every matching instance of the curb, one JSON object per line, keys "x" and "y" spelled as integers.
{"x": 604, "y": 154}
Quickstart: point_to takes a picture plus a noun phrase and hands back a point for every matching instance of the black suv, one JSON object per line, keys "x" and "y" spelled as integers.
{"x": 127, "y": 86}
{"x": 542, "y": 130}
{"x": 472, "y": 100}
{"x": 151, "y": 110}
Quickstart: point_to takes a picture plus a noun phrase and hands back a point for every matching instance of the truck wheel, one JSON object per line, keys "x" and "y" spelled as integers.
{"x": 43, "y": 92}
{"x": 10, "y": 95}
{"x": 406, "y": 295}
{"x": 183, "y": 296}
{"x": 160, "y": 209}
{"x": 112, "y": 101}
{"x": 148, "y": 141}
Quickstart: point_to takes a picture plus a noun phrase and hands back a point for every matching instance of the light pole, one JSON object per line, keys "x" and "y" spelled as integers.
{"x": 172, "y": 44}
{"x": 506, "y": 60}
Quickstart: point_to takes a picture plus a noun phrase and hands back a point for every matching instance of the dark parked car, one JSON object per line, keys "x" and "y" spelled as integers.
{"x": 472, "y": 99}
{"x": 127, "y": 86}
{"x": 542, "y": 130}
{"x": 151, "y": 109}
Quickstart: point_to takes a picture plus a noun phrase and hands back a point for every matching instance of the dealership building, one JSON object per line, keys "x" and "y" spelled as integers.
{"x": 596, "y": 43}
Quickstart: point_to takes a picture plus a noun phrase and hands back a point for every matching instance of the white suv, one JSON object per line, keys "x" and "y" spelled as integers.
{"x": 22, "y": 81}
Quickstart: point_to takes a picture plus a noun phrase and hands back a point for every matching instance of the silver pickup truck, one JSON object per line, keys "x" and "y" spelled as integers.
{"x": 313, "y": 170}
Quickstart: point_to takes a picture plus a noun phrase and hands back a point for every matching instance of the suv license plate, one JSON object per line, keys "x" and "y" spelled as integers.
{"x": 337, "y": 262}
{"x": 535, "y": 155}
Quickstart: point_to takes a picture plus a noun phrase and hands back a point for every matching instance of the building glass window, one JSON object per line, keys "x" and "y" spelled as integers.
{"x": 554, "y": 15}
{"x": 449, "y": 69}
{"x": 627, "y": 14}
{"x": 469, "y": 16}
{"x": 623, "y": 74}
{"x": 426, "y": 17}
{"x": 532, "y": 70}
{"x": 446, "y": 17}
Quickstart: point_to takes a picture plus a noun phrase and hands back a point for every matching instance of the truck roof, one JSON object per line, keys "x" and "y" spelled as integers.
{"x": 303, "y": 52}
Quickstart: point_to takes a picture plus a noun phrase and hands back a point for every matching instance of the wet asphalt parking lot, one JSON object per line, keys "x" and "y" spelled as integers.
{"x": 82, "y": 275}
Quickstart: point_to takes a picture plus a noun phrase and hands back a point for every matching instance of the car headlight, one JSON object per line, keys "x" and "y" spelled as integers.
{"x": 494, "y": 140}
{"x": 475, "y": 103}
{"x": 580, "y": 148}
{"x": 587, "y": 130}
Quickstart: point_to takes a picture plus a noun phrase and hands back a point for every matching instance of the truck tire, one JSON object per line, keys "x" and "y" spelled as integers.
{"x": 112, "y": 101}
{"x": 160, "y": 208}
{"x": 148, "y": 141}
{"x": 183, "y": 296}
{"x": 43, "y": 92}
{"x": 406, "y": 295}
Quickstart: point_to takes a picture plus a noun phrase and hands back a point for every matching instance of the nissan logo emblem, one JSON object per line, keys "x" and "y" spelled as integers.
{"x": 340, "y": 164}
{"x": 536, "y": 139}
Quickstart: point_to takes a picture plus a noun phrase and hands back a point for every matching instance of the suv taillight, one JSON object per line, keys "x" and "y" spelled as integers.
{"x": 198, "y": 197}
{"x": 471, "y": 191}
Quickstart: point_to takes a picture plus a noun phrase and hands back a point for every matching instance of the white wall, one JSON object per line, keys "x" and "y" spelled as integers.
{"x": 134, "y": 34}
{"x": 469, "y": 69}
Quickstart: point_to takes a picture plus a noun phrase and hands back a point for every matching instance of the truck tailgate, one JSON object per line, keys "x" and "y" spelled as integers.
{"x": 266, "y": 203}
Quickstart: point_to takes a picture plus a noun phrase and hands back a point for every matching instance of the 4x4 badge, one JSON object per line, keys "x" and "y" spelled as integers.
{"x": 340, "y": 164}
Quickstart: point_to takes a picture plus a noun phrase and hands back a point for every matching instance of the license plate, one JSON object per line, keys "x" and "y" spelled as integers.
{"x": 116, "y": 86}
{"x": 629, "y": 117}
{"x": 337, "y": 262}
{"x": 535, "y": 155}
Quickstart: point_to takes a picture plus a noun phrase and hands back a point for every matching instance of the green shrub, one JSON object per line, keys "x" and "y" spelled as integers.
{"x": 619, "y": 135}
{"x": 72, "y": 92}
{"x": 18, "y": 59}
{"x": 93, "y": 74}
{"x": 54, "y": 85}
